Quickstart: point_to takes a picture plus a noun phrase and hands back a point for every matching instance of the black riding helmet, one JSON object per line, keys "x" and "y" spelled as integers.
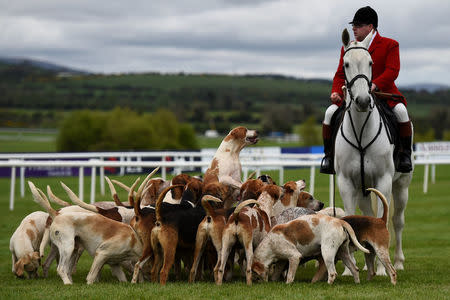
{"x": 364, "y": 16}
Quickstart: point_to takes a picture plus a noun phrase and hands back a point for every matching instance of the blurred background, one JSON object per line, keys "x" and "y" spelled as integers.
{"x": 152, "y": 75}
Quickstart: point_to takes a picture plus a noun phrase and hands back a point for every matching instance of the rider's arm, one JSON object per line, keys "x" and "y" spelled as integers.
{"x": 339, "y": 77}
{"x": 392, "y": 67}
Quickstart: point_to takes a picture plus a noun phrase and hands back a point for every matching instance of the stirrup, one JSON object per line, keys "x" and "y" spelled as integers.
{"x": 327, "y": 166}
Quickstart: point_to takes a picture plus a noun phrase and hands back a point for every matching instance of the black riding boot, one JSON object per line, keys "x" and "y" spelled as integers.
{"x": 327, "y": 165}
{"x": 404, "y": 164}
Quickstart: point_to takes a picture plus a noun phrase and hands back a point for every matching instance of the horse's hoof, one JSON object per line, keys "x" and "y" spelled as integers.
{"x": 347, "y": 272}
{"x": 399, "y": 266}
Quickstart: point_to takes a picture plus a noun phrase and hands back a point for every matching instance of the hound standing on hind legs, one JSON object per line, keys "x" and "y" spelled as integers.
{"x": 226, "y": 166}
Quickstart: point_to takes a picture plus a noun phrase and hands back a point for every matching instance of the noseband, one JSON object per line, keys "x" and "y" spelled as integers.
{"x": 349, "y": 83}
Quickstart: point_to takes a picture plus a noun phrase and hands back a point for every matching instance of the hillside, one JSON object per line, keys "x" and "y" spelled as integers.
{"x": 271, "y": 102}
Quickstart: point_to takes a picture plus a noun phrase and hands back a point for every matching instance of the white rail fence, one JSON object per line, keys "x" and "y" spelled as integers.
{"x": 181, "y": 161}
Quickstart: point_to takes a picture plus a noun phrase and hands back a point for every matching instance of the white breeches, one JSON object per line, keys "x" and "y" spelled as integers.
{"x": 329, "y": 113}
{"x": 399, "y": 110}
{"x": 401, "y": 113}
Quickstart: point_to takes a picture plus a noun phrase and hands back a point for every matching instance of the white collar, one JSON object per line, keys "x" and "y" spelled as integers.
{"x": 373, "y": 36}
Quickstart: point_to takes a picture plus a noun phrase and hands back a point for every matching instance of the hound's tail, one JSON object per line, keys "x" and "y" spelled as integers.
{"x": 241, "y": 206}
{"x": 252, "y": 174}
{"x": 143, "y": 188}
{"x": 385, "y": 204}
{"x": 133, "y": 194}
{"x": 160, "y": 201}
{"x": 355, "y": 241}
{"x": 44, "y": 242}
{"x": 55, "y": 199}
{"x": 77, "y": 201}
{"x": 40, "y": 198}
{"x": 113, "y": 192}
{"x": 207, "y": 206}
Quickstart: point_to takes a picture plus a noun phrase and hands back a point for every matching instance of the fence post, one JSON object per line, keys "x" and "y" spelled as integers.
{"x": 425, "y": 179}
{"x": 102, "y": 179}
{"x": 245, "y": 173}
{"x": 13, "y": 183}
{"x": 81, "y": 183}
{"x": 122, "y": 168}
{"x": 312, "y": 179}
{"x": 93, "y": 175}
{"x": 22, "y": 182}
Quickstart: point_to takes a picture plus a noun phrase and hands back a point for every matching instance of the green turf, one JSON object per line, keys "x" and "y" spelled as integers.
{"x": 426, "y": 247}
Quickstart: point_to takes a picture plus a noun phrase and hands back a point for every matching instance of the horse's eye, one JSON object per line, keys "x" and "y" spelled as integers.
{"x": 346, "y": 65}
{"x": 370, "y": 63}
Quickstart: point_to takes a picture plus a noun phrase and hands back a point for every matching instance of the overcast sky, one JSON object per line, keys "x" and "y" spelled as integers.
{"x": 298, "y": 38}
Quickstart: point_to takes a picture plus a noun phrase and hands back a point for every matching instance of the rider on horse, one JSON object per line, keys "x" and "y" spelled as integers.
{"x": 385, "y": 69}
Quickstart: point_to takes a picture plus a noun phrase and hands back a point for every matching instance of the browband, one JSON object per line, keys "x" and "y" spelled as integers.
{"x": 354, "y": 48}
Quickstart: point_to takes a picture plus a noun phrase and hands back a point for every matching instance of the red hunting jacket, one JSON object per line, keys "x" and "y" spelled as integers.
{"x": 385, "y": 68}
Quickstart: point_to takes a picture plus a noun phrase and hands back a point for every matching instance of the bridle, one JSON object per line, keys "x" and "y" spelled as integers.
{"x": 359, "y": 147}
{"x": 349, "y": 83}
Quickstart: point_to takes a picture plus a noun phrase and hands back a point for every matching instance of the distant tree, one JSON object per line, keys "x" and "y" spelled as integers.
{"x": 186, "y": 137}
{"x": 80, "y": 131}
{"x": 166, "y": 127}
{"x": 277, "y": 117}
{"x": 439, "y": 121}
{"x": 424, "y": 136}
{"x": 124, "y": 129}
{"x": 309, "y": 132}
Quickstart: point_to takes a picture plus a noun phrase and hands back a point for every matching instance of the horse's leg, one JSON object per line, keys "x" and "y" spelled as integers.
{"x": 384, "y": 185}
{"x": 400, "y": 193}
{"x": 349, "y": 195}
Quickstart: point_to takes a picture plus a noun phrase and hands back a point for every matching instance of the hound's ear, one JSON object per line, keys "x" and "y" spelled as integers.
{"x": 367, "y": 40}
{"x": 18, "y": 268}
{"x": 35, "y": 256}
{"x": 345, "y": 38}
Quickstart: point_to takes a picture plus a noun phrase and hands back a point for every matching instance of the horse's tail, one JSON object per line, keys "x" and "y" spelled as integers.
{"x": 385, "y": 204}
{"x": 352, "y": 235}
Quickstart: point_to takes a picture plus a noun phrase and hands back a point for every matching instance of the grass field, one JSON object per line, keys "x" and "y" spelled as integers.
{"x": 426, "y": 247}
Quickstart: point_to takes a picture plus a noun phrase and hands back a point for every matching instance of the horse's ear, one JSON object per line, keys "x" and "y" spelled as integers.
{"x": 367, "y": 40}
{"x": 345, "y": 38}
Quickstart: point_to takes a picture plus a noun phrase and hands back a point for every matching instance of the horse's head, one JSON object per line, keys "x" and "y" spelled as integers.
{"x": 358, "y": 71}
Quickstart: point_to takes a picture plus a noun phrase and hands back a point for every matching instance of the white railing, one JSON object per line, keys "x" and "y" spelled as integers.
{"x": 182, "y": 161}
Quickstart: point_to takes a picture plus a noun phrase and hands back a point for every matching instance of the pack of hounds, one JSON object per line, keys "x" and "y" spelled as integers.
{"x": 202, "y": 226}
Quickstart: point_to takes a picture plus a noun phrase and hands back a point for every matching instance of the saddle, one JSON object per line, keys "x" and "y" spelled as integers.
{"x": 387, "y": 115}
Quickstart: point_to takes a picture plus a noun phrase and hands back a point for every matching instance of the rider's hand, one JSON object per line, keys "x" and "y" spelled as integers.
{"x": 335, "y": 97}
{"x": 373, "y": 87}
